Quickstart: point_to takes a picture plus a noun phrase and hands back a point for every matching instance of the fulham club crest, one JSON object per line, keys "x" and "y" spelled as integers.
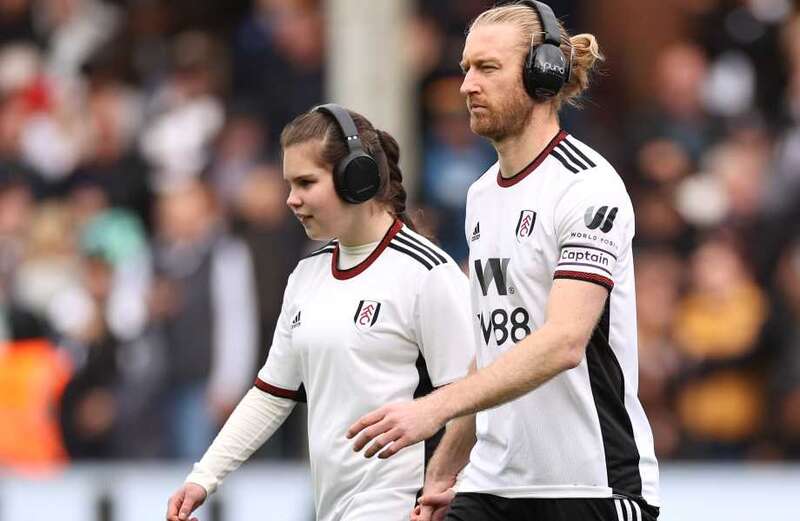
{"x": 366, "y": 314}
{"x": 527, "y": 218}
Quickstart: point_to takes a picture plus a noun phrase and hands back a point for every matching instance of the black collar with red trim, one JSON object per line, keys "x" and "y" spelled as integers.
{"x": 505, "y": 182}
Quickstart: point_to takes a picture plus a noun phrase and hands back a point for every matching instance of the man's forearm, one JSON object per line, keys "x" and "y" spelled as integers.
{"x": 453, "y": 451}
{"x": 530, "y": 363}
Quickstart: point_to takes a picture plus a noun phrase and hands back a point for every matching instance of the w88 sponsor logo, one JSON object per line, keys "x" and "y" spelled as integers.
{"x": 505, "y": 325}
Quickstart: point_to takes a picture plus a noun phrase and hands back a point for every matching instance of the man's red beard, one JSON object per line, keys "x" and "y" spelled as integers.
{"x": 507, "y": 117}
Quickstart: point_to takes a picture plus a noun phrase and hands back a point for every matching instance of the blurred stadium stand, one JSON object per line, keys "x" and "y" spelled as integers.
{"x": 139, "y": 146}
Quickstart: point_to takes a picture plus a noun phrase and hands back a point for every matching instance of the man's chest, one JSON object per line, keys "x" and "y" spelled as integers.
{"x": 513, "y": 240}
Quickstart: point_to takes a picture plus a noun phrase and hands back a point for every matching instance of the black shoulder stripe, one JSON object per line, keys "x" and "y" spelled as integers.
{"x": 328, "y": 248}
{"x": 564, "y": 162}
{"x": 411, "y": 254}
{"x": 416, "y": 248}
{"x": 575, "y": 161}
{"x": 428, "y": 247}
{"x": 577, "y": 151}
{"x": 422, "y": 243}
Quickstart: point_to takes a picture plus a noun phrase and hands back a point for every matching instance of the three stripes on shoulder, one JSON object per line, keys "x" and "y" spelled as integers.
{"x": 569, "y": 155}
{"x": 423, "y": 253}
{"x": 404, "y": 242}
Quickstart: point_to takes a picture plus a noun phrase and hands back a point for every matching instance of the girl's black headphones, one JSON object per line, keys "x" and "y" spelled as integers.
{"x": 356, "y": 177}
{"x": 546, "y": 69}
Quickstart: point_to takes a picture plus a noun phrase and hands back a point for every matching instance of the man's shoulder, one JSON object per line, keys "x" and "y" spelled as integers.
{"x": 578, "y": 161}
{"x": 581, "y": 169}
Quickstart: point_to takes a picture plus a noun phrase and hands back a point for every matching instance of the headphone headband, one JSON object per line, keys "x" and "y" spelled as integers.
{"x": 552, "y": 34}
{"x": 346, "y": 124}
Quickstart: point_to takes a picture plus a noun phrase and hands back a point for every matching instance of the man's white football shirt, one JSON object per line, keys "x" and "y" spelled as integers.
{"x": 353, "y": 340}
{"x": 583, "y": 433}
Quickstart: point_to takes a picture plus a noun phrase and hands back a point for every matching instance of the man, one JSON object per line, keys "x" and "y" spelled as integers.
{"x": 561, "y": 434}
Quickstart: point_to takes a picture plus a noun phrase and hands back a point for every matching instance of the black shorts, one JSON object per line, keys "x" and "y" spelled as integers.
{"x": 486, "y": 507}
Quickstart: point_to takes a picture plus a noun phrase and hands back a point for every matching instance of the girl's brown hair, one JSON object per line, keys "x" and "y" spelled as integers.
{"x": 315, "y": 125}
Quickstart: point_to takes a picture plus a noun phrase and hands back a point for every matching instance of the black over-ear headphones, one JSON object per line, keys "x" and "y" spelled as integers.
{"x": 356, "y": 177}
{"x": 546, "y": 69}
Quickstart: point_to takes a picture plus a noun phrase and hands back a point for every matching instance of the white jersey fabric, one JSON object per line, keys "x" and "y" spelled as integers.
{"x": 349, "y": 341}
{"x": 583, "y": 433}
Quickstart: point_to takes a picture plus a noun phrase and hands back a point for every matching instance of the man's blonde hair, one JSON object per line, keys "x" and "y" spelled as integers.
{"x": 582, "y": 48}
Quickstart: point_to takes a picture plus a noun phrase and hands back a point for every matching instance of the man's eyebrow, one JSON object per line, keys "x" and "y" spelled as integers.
{"x": 479, "y": 61}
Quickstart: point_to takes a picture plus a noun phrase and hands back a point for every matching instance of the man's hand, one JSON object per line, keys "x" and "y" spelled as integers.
{"x": 397, "y": 425}
{"x": 435, "y": 500}
{"x": 185, "y": 501}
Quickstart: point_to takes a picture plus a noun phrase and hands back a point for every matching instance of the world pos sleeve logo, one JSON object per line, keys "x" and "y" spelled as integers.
{"x": 603, "y": 218}
{"x": 366, "y": 314}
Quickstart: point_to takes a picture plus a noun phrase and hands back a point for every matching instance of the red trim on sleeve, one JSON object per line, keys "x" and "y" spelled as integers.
{"x": 361, "y": 266}
{"x": 505, "y": 182}
{"x": 588, "y": 277}
{"x": 277, "y": 391}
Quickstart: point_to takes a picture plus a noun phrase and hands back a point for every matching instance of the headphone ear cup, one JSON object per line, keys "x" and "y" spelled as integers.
{"x": 545, "y": 71}
{"x": 356, "y": 178}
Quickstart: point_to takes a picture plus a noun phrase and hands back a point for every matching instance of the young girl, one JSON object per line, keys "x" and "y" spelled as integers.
{"x": 377, "y": 315}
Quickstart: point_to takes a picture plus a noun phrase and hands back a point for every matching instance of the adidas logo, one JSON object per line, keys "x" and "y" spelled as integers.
{"x": 296, "y": 320}
{"x": 476, "y": 233}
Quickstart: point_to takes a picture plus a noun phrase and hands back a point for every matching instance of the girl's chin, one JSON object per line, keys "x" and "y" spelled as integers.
{"x": 315, "y": 234}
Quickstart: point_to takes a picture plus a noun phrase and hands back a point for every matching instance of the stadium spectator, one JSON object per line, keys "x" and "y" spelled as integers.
{"x": 96, "y": 319}
{"x": 241, "y": 146}
{"x": 109, "y": 159}
{"x": 285, "y": 36}
{"x": 33, "y": 374}
{"x": 785, "y": 386}
{"x": 718, "y": 327}
{"x": 33, "y": 371}
{"x": 261, "y": 218}
{"x": 203, "y": 305}
{"x": 659, "y": 283}
{"x": 669, "y": 135}
{"x": 89, "y": 408}
{"x": 186, "y": 112}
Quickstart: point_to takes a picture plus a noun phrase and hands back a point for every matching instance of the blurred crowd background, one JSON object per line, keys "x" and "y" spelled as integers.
{"x": 145, "y": 242}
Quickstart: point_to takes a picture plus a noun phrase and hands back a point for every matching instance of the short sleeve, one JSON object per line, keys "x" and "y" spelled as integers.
{"x": 594, "y": 226}
{"x": 281, "y": 374}
{"x": 445, "y": 334}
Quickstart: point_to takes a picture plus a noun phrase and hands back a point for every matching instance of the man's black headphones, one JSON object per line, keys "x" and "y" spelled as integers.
{"x": 546, "y": 69}
{"x": 356, "y": 177}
